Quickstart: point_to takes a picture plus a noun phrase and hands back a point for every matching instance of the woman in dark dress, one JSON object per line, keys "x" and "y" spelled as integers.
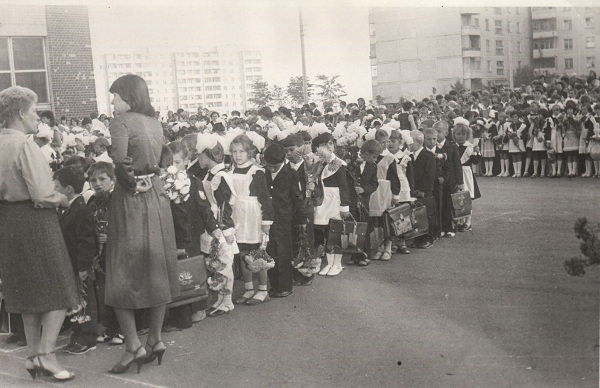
{"x": 141, "y": 255}
{"x": 37, "y": 277}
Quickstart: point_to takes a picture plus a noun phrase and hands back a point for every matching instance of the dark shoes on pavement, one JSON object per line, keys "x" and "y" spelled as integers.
{"x": 76, "y": 348}
{"x": 280, "y": 294}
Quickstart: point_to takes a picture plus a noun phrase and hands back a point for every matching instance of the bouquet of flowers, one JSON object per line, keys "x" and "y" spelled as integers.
{"x": 212, "y": 261}
{"x": 304, "y": 262}
{"x": 259, "y": 259}
{"x": 218, "y": 282}
{"x": 590, "y": 248}
{"x": 78, "y": 313}
{"x": 177, "y": 185}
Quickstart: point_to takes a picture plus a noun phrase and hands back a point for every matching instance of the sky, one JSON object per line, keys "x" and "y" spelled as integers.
{"x": 336, "y": 35}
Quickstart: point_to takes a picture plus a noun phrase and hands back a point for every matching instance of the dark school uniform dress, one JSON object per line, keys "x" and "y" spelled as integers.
{"x": 455, "y": 177}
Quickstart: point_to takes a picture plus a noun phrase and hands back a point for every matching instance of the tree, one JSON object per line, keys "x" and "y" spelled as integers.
{"x": 458, "y": 86}
{"x": 261, "y": 94}
{"x": 279, "y": 96}
{"x": 330, "y": 89}
{"x": 379, "y": 100}
{"x": 524, "y": 75}
{"x": 295, "y": 93}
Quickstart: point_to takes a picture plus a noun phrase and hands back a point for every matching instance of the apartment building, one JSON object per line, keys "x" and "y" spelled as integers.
{"x": 565, "y": 39}
{"x": 416, "y": 51}
{"x": 48, "y": 49}
{"x": 216, "y": 78}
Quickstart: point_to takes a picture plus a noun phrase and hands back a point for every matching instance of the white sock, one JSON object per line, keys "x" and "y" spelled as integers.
{"x": 262, "y": 292}
{"x": 249, "y": 290}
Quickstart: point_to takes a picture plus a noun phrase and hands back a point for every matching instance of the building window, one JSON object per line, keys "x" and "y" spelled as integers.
{"x": 518, "y": 64}
{"x": 373, "y": 71}
{"x": 373, "y": 50}
{"x": 508, "y": 27}
{"x": 499, "y": 67}
{"x": 589, "y": 22}
{"x": 519, "y": 49}
{"x": 371, "y": 29}
{"x": 590, "y": 41}
{"x": 518, "y": 26}
{"x": 589, "y": 62}
{"x": 518, "y": 10}
{"x": 23, "y": 63}
{"x": 487, "y": 45}
{"x": 568, "y": 44}
{"x": 497, "y": 10}
{"x": 567, "y": 24}
{"x": 543, "y": 44}
{"x": 476, "y": 20}
{"x": 499, "y": 47}
{"x": 498, "y": 27}
{"x": 568, "y": 63}
{"x": 489, "y": 66}
{"x": 487, "y": 24}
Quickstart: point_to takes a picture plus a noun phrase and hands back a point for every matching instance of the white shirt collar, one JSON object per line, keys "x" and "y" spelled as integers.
{"x": 385, "y": 152}
{"x": 217, "y": 168}
{"x": 274, "y": 174}
{"x": 296, "y": 166}
{"x": 245, "y": 165}
{"x": 417, "y": 152}
{"x": 441, "y": 143}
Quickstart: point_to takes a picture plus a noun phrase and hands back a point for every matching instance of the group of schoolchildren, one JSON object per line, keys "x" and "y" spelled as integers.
{"x": 271, "y": 178}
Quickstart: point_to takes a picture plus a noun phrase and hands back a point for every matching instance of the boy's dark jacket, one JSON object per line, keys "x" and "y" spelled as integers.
{"x": 78, "y": 229}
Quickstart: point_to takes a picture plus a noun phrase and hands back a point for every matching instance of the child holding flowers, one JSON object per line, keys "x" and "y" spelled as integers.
{"x": 469, "y": 155}
{"x": 220, "y": 192}
{"x": 333, "y": 202}
{"x": 252, "y": 211}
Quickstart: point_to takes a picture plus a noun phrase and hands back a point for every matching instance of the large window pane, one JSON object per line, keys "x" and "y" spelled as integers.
{"x": 28, "y": 53}
{"x": 4, "y": 81}
{"x": 4, "y": 63}
{"x": 36, "y": 82}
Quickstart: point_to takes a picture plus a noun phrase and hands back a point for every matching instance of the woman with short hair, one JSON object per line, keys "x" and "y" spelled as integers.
{"x": 37, "y": 276}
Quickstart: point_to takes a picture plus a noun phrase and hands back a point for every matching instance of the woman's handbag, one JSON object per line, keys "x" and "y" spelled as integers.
{"x": 461, "y": 205}
{"x": 346, "y": 236}
{"x": 192, "y": 281}
{"x": 397, "y": 221}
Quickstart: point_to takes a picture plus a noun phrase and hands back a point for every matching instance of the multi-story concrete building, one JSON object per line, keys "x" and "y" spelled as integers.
{"x": 218, "y": 78}
{"x": 565, "y": 39}
{"x": 48, "y": 49}
{"x": 414, "y": 50}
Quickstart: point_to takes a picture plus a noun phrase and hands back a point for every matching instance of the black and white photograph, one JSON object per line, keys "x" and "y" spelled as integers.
{"x": 299, "y": 193}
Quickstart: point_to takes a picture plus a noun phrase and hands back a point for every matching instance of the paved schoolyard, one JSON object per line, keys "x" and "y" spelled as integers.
{"x": 490, "y": 308}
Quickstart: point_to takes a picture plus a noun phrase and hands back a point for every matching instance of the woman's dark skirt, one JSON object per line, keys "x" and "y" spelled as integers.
{"x": 37, "y": 275}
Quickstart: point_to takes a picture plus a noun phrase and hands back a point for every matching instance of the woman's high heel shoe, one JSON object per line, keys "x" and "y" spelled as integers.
{"x": 138, "y": 359}
{"x": 155, "y": 354}
{"x": 30, "y": 366}
{"x": 63, "y": 375}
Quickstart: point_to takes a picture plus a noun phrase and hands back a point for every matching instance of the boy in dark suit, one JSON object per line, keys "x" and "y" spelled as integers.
{"x": 441, "y": 174}
{"x": 364, "y": 180}
{"x": 424, "y": 174}
{"x": 284, "y": 187}
{"x": 77, "y": 225}
{"x": 295, "y": 152}
{"x": 454, "y": 179}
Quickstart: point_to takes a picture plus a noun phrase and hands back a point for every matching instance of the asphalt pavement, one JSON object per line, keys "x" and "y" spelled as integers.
{"x": 492, "y": 307}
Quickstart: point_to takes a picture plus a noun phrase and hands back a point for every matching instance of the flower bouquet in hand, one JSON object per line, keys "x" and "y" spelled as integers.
{"x": 218, "y": 282}
{"x": 304, "y": 262}
{"x": 259, "y": 259}
{"x": 177, "y": 185}
{"x": 78, "y": 313}
{"x": 212, "y": 261}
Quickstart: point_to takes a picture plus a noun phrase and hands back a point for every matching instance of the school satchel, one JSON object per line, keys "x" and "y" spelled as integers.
{"x": 432, "y": 216}
{"x": 396, "y": 221}
{"x": 461, "y": 205}
{"x": 192, "y": 281}
{"x": 420, "y": 221}
{"x": 346, "y": 236}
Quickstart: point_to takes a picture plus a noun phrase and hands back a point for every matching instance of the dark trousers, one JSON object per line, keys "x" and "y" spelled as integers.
{"x": 86, "y": 333}
{"x": 310, "y": 237}
{"x": 108, "y": 318}
{"x": 447, "y": 222}
{"x": 281, "y": 276}
{"x": 436, "y": 230}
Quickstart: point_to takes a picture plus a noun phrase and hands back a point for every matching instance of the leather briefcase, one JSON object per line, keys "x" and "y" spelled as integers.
{"x": 397, "y": 221}
{"x": 461, "y": 205}
{"x": 192, "y": 281}
{"x": 420, "y": 222}
{"x": 346, "y": 236}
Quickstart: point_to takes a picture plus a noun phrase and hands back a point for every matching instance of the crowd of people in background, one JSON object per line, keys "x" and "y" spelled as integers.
{"x": 247, "y": 185}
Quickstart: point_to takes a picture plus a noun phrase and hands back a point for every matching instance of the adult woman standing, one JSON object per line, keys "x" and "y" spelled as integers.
{"x": 141, "y": 253}
{"x": 38, "y": 280}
